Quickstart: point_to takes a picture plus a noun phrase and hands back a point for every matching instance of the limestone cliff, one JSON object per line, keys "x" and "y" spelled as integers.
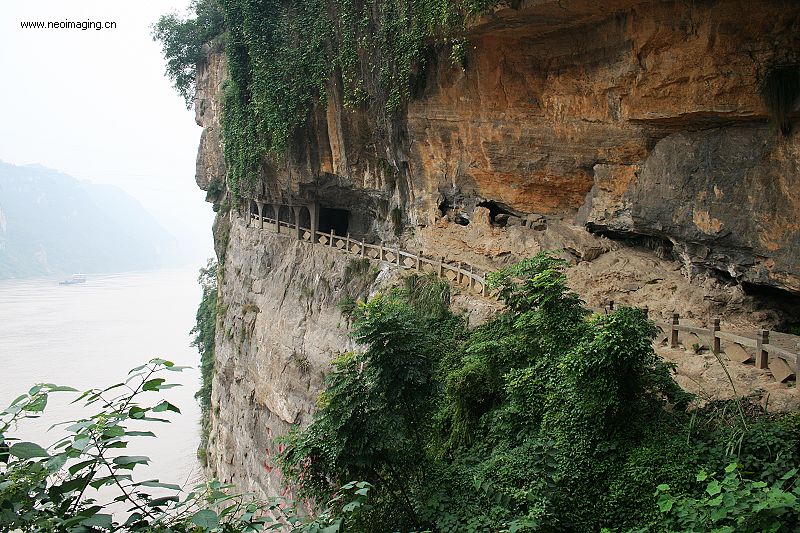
{"x": 278, "y": 331}
{"x": 629, "y": 133}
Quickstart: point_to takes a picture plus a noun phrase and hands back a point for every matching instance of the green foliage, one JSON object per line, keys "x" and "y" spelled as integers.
{"x": 429, "y": 295}
{"x": 57, "y": 488}
{"x": 347, "y": 305}
{"x": 374, "y": 49}
{"x": 204, "y": 333}
{"x": 373, "y": 411}
{"x": 182, "y": 41}
{"x": 780, "y": 92}
{"x": 542, "y": 419}
{"x": 734, "y": 504}
{"x": 356, "y": 268}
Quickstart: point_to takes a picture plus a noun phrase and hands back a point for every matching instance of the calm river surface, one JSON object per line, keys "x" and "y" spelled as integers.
{"x": 90, "y": 335}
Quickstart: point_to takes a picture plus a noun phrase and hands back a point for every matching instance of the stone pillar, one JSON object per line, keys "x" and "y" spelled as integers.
{"x": 313, "y": 211}
{"x": 296, "y": 212}
{"x": 260, "y": 214}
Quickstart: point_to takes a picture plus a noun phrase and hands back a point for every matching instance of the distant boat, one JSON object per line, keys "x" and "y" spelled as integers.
{"x": 76, "y": 278}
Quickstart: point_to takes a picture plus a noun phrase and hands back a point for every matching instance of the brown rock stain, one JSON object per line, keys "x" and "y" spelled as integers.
{"x": 705, "y": 222}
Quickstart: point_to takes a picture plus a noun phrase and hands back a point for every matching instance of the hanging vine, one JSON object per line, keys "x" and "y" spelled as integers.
{"x": 282, "y": 56}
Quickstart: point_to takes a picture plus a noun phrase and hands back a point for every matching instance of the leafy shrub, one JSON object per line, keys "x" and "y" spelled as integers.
{"x": 347, "y": 305}
{"x": 204, "y": 333}
{"x": 56, "y": 488}
{"x": 733, "y": 504}
{"x": 542, "y": 419}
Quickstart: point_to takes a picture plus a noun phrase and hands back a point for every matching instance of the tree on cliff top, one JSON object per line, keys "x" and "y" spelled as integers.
{"x": 182, "y": 41}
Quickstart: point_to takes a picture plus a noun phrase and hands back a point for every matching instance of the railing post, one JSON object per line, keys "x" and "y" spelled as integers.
{"x": 646, "y": 311}
{"x": 441, "y": 267}
{"x": 363, "y": 249}
{"x": 380, "y": 250}
{"x": 717, "y": 341}
{"x": 673, "y": 343}
{"x": 458, "y": 272}
{"x": 611, "y": 305}
{"x": 297, "y": 231}
{"x": 762, "y": 355}
{"x": 485, "y": 291}
{"x": 471, "y": 278}
{"x": 333, "y": 232}
{"x": 419, "y": 261}
{"x": 347, "y": 244}
{"x": 397, "y": 253}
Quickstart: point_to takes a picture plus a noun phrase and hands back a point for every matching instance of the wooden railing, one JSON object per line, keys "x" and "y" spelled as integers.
{"x": 783, "y": 363}
{"x": 462, "y": 274}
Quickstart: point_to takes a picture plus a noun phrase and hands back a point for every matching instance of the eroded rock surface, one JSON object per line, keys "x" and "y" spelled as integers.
{"x": 278, "y": 330}
{"x": 728, "y": 198}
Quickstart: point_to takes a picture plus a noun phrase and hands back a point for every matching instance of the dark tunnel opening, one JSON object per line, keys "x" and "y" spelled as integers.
{"x": 337, "y": 220}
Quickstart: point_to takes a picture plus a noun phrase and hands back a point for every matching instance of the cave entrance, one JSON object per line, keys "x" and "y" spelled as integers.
{"x": 497, "y": 215}
{"x": 336, "y": 220}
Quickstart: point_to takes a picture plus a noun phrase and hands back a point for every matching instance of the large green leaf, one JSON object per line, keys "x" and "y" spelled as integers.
{"x": 99, "y": 520}
{"x": 165, "y": 406}
{"x": 123, "y": 460}
{"x": 140, "y": 434}
{"x": 157, "y": 484}
{"x": 206, "y": 518}
{"x": 28, "y": 450}
{"x": 153, "y": 384}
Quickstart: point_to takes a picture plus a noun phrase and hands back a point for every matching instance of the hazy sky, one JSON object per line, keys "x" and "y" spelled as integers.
{"x": 96, "y": 105}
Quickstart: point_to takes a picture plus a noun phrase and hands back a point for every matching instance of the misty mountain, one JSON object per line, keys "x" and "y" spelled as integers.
{"x": 52, "y": 223}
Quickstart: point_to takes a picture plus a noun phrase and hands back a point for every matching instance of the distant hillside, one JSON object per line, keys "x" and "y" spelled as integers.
{"x": 52, "y": 223}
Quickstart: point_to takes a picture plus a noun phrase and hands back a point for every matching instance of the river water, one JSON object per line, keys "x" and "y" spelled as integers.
{"x": 89, "y": 335}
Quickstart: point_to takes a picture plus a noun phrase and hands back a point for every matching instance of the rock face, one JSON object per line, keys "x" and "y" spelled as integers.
{"x": 628, "y": 133}
{"x": 728, "y": 198}
{"x": 279, "y": 328}
{"x": 631, "y": 112}
{"x": 211, "y": 74}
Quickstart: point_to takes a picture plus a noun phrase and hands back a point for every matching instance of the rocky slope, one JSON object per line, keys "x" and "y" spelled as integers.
{"x": 629, "y": 133}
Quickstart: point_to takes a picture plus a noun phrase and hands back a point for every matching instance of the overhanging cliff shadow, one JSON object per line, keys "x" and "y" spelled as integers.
{"x": 303, "y": 217}
{"x": 285, "y": 214}
{"x": 334, "y": 220}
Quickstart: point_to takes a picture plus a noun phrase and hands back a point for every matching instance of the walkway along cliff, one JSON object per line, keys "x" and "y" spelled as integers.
{"x": 631, "y": 134}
